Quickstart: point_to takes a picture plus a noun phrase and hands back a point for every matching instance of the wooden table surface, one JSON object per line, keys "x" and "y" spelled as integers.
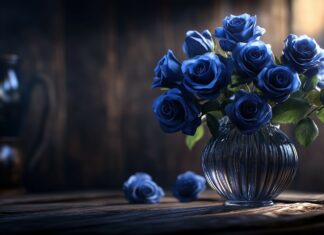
{"x": 108, "y": 213}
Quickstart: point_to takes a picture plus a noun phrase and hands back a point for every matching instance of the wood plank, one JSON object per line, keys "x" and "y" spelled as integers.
{"x": 308, "y": 18}
{"x": 154, "y": 221}
{"x": 100, "y": 57}
{"x": 34, "y": 31}
{"x": 207, "y": 196}
{"x": 102, "y": 212}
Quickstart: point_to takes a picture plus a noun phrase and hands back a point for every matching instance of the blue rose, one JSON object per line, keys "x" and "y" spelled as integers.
{"x": 188, "y": 186}
{"x": 176, "y": 111}
{"x": 320, "y": 75}
{"x": 167, "y": 72}
{"x": 248, "y": 112}
{"x": 277, "y": 82}
{"x": 140, "y": 188}
{"x": 236, "y": 29}
{"x": 250, "y": 58}
{"x": 302, "y": 53}
{"x": 197, "y": 43}
{"x": 319, "y": 72}
{"x": 205, "y": 75}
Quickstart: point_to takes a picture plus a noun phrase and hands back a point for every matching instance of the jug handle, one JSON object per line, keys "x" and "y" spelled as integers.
{"x": 43, "y": 131}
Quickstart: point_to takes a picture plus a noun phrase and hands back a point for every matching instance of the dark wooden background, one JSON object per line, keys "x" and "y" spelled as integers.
{"x": 100, "y": 55}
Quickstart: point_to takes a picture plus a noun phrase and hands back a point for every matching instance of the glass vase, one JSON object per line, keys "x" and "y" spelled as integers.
{"x": 249, "y": 169}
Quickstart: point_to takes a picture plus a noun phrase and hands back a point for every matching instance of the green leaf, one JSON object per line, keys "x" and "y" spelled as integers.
{"x": 215, "y": 45}
{"x": 310, "y": 83}
{"x": 277, "y": 60}
{"x": 236, "y": 80}
{"x": 216, "y": 114}
{"x": 306, "y": 131}
{"x": 213, "y": 124}
{"x": 210, "y": 106}
{"x": 302, "y": 79}
{"x": 297, "y": 94}
{"x": 235, "y": 84}
{"x": 314, "y": 97}
{"x": 320, "y": 115}
{"x": 291, "y": 111}
{"x": 232, "y": 89}
{"x": 192, "y": 140}
{"x": 164, "y": 89}
{"x": 218, "y": 50}
{"x": 225, "y": 103}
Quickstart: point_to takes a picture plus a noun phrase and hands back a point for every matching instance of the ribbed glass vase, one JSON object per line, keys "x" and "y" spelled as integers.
{"x": 249, "y": 170}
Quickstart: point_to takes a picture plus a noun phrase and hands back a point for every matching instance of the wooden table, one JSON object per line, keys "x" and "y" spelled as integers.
{"x": 109, "y": 213}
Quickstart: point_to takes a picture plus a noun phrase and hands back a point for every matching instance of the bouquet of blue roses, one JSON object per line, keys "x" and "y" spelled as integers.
{"x": 239, "y": 77}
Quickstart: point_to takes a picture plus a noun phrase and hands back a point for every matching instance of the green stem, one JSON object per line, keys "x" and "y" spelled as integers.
{"x": 253, "y": 87}
{"x": 314, "y": 109}
{"x": 248, "y": 88}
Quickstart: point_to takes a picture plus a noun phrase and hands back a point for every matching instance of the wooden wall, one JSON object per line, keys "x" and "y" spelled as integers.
{"x": 99, "y": 56}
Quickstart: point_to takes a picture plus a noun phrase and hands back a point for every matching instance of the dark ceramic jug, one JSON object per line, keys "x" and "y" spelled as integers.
{"x": 15, "y": 97}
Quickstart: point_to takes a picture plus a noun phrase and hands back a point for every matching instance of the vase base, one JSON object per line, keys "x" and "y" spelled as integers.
{"x": 249, "y": 203}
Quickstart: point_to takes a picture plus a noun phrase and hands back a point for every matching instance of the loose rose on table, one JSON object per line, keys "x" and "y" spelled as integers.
{"x": 241, "y": 78}
{"x": 140, "y": 188}
{"x": 188, "y": 186}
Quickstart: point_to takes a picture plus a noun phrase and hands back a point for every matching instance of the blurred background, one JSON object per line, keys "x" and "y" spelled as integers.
{"x": 91, "y": 115}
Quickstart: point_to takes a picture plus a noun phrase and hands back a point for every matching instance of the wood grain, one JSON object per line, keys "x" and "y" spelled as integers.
{"x": 34, "y": 31}
{"x": 107, "y": 212}
{"x": 100, "y": 57}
